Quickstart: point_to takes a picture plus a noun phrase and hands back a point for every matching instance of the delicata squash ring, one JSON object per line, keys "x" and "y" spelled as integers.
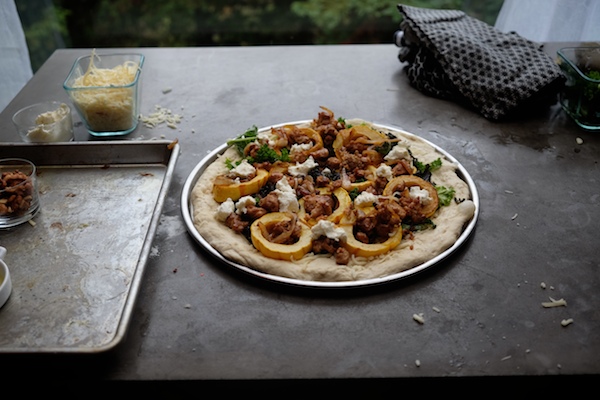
{"x": 362, "y": 133}
{"x": 311, "y": 134}
{"x": 407, "y": 181}
{"x": 343, "y": 203}
{"x": 360, "y": 249}
{"x": 225, "y": 188}
{"x": 289, "y": 252}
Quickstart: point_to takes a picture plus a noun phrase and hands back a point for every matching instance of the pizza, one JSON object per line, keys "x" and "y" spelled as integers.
{"x": 330, "y": 200}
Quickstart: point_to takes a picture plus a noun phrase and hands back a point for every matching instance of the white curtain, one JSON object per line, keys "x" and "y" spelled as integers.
{"x": 551, "y": 20}
{"x": 15, "y": 66}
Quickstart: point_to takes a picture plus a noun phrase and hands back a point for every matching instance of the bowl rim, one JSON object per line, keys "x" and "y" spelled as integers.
{"x": 29, "y": 107}
{"x": 562, "y": 54}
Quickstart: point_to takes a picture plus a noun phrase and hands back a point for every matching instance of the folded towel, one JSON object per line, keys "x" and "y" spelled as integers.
{"x": 452, "y": 56}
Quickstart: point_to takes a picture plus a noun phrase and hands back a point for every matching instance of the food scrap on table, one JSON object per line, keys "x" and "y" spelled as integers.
{"x": 159, "y": 116}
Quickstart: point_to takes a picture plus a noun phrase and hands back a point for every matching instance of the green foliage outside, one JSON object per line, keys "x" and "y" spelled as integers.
{"x": 54, "y": 24}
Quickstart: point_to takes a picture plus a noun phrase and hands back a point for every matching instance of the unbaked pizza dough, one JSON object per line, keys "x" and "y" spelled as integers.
{"x": 421, "y": 247}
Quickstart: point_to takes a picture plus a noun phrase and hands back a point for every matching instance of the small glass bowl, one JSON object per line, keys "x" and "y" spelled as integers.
{"x": 19, "y": 197}
{"x": 111, "y": 109}
{"x": 5, "y": 281}
{"x": 580, "y": 95}
{"x": 49, "y": 121}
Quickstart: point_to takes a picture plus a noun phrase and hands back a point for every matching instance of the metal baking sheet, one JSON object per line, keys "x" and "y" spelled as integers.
{"x": 188, "y": 212}
{"x": 77, "y": 267}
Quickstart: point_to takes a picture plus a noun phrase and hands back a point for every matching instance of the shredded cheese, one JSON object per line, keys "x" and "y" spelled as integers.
{"x": 159, "y": 116}
{"x": 566, "y": 322}
{"x": 554, "y": 303}
{"x": 419, "y": 318}
{"x": 109, "y": 103}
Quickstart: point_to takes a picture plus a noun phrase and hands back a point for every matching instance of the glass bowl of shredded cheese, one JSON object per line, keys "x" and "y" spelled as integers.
{"x": 105, "y": 90}
{"x": 49, "y": 121}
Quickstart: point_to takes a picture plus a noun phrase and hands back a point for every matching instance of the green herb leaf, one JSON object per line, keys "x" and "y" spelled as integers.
{"x": 285, "y": 155}
{"x": 435, "y": 164}
{"x": 445, "y": 195}
{"x": 595, "y": 75}
{"x": 342, "y": 121}
{"x": 592, "y": 89}
{"x": 421, "y": 168}
{"x": 424, "y": 170}
{"x": 268, "y": 154}
{"x": 230, "y": 164}
{"x": 427, "y": 224}
{"x": 384, "y": 148}
{"x": 242, "y": 140}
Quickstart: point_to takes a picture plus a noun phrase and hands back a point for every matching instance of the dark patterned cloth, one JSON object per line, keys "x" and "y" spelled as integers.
{"x": 452, "y": 56}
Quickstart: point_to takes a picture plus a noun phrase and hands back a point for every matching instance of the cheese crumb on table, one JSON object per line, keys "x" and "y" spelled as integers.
{"x": 566, "y": 322}
{"x": 159, "y": 116}
{"x": 554, "y": 303}
{"x": 419, "y": 318}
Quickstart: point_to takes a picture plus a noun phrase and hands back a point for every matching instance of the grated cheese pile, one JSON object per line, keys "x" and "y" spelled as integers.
{"x": 159, "y": 116}
{"x": 109, "y": 104}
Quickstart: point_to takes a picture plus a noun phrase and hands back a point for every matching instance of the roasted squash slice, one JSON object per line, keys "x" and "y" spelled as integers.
{"x": 360, "y": 186}
{"x": 291, "y": 131}
{"x": 359, "y": 132}
{"x": 407, "y": 181}
{"x": 226, "y": 188}
{"x": 294, "y": 251}
{"x": 315, "y": 137}
{"x": 360, "y": 249}
{"x": 343, "y": 202}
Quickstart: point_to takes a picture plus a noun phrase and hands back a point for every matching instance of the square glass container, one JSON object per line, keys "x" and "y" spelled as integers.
{"x": 19, "y": 196}
{"x": 105, "y": 90}
{"x": 49, "y": 121}
{"x": 580, "y": 95}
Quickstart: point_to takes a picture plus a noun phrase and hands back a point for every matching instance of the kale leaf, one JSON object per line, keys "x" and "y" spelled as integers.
{"x": 445, "y": 195}
{"x": 242, "y": 140}
{"x": 266, "y": 153}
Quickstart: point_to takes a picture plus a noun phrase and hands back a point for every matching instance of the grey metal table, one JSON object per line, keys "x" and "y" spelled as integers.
{"x": 198, "y": 320}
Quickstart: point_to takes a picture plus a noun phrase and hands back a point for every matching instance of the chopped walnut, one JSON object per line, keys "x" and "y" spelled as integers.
{"x": 16, "y": 193}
